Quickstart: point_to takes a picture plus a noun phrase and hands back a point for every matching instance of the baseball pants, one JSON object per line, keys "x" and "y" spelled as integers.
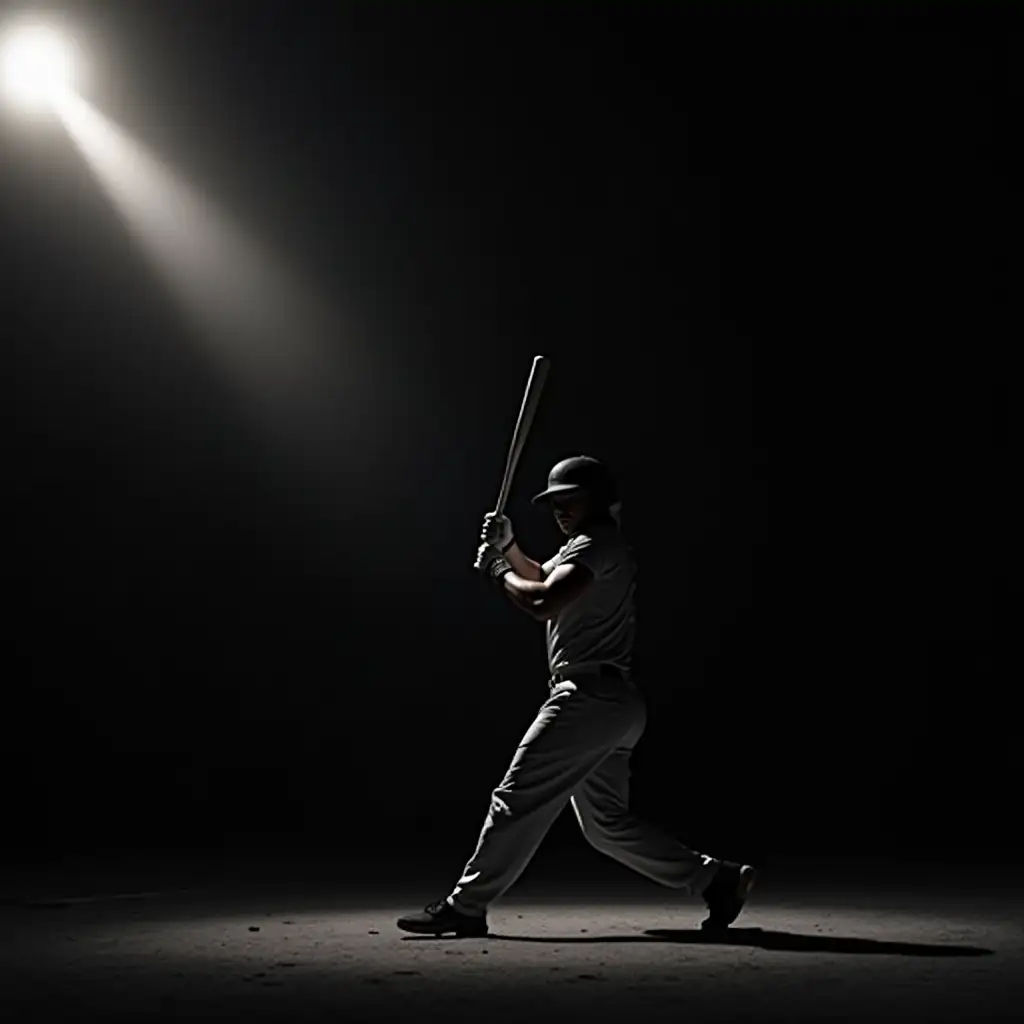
{"x": 577, "y": 750}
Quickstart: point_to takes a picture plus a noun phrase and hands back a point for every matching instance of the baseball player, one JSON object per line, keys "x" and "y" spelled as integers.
{"x": 578, "y": 748}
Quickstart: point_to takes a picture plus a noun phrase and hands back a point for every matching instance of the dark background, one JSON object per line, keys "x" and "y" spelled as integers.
{"x": 766, "y": 254}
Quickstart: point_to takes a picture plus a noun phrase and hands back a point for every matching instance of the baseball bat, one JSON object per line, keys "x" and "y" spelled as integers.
{"x": 527, "y": 411}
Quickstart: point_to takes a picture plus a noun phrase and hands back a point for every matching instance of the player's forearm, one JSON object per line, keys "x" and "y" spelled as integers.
{"x": 523, "y": 566}
{"x": 526, "y": 595}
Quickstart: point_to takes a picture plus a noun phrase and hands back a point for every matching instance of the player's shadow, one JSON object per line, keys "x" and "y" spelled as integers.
{"x": 789, "y": 942}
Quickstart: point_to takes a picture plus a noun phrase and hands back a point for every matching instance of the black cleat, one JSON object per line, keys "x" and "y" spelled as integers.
{"x": 726, "y": 894}
{"x": 442, "y": 918}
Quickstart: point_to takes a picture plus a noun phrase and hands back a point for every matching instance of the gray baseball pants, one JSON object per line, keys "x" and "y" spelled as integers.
{"x": 577, "y": 750}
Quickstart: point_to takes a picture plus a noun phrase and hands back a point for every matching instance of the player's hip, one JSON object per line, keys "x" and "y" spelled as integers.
{"x": 606, "y": 684}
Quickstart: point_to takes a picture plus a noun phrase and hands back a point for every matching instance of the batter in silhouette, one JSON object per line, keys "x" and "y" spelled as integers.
{"x": 578, "y": 748}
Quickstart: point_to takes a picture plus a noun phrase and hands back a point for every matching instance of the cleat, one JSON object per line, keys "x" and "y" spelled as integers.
{"x": 726, "y": 895}
{"x": 442, "y": 918}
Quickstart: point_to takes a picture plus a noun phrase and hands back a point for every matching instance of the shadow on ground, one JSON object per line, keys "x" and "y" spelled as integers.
{"x": 790, "y": 942}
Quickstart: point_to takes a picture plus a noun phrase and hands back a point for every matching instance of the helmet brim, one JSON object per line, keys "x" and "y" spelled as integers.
{"x": 554, "y": 490}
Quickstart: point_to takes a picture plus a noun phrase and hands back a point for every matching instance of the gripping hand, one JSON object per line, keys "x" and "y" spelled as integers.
{"x": 491, "y": 562}
{"x": 497, "y": 531}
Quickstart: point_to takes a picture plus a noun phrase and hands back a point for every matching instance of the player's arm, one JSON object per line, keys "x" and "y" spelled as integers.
{"x": 544, "y": 599}
{"x": 524, "y": 566}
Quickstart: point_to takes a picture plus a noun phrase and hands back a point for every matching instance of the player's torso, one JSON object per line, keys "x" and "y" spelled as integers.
{"x": 598, "y": 627}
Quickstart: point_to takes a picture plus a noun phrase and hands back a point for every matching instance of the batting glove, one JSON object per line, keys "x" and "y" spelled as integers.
{"x": 491, "y": 562}
{"x": 497, "y": 531}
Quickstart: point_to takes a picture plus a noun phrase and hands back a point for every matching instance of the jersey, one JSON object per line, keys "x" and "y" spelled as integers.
{"x": 599, "y": 627}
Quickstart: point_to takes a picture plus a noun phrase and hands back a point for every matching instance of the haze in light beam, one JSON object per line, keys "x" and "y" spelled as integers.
{"x": 280, "y": 346}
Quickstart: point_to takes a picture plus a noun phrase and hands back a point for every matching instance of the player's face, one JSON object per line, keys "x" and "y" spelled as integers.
{"x": 570, "y": 510}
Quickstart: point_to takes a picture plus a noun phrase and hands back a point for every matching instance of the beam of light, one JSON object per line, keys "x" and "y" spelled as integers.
{"x": 279, "y": 345}
{"x": 37, "y": 66}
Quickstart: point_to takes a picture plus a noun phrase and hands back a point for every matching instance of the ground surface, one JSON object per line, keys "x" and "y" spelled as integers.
{"x": 288, "y": 942}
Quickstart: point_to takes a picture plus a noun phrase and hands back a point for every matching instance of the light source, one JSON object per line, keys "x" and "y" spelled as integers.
{"x": 37, "y": 66}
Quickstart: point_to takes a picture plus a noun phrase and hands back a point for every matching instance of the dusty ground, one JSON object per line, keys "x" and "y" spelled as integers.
{"x": 296, "y": 948}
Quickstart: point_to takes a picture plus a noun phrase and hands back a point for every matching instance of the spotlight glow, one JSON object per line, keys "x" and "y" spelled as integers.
{"x": 275, "y": 341}
{"x": 37, "y": 66}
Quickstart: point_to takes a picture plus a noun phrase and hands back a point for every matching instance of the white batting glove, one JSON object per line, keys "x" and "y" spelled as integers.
{"x": 497, "y": 531}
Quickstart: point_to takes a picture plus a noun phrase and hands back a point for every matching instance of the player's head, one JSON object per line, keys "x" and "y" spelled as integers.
{"x": 580, "y": 489}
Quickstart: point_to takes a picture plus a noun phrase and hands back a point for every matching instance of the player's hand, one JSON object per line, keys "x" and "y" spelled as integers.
{"x": 497, "y": 531}
{"x": 491, "y": 562}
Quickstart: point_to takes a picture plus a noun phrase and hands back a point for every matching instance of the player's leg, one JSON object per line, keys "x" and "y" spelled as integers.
{"x": 572, "y": 733}
{"x": 601, "y": 803}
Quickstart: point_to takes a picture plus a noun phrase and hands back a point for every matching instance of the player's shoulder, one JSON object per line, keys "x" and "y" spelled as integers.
{"x": 578, "y": 542}
{"x": 605, "y": 544}
{"x": 603, "y": 535}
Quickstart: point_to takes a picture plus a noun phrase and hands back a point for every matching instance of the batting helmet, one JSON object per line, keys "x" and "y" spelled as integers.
{"x": 580, "y": 473}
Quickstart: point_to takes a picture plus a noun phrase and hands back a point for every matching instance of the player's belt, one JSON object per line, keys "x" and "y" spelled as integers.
{"x": 605, "y": 671}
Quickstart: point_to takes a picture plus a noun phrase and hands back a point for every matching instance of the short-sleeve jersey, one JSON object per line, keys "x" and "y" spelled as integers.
{"x": 599, "y": 627}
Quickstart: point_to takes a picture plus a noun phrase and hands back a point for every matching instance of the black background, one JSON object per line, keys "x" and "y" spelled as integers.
{"x": 766, "y": 253}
